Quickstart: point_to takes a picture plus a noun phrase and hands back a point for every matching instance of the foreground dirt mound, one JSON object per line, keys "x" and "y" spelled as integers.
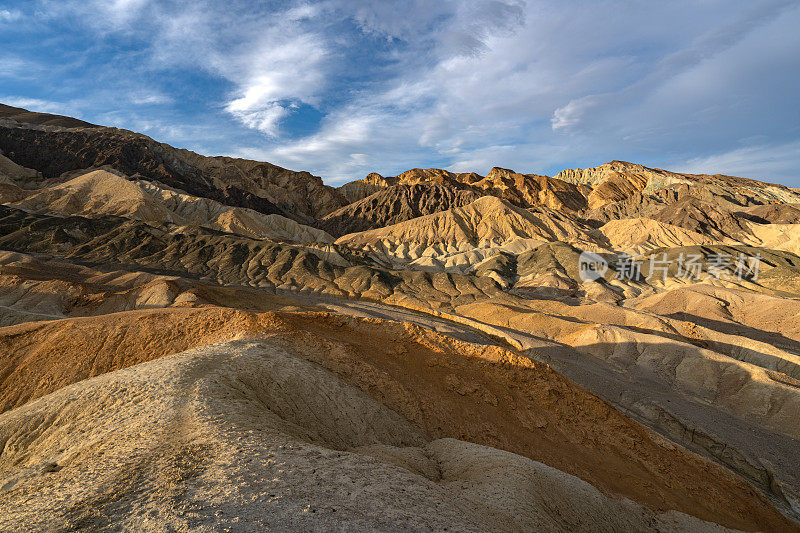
{"x": 252, "y": 436}
{"x": 433, "y": 386}
{"x": 40, "y": 357}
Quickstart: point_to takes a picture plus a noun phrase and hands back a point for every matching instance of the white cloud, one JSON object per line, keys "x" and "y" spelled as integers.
{"x": 763, "y": 162}
{"x": 274, "y": 60}
{"x": 143, "y": 97}
{"x": 569, "y": 116}
{"x": 16, "y": 67}
{"x": 103, "y": 16}
{"x": 121, "y": 12}
{"x": 265, "y": 117}
{"x": 491, "y": 108}
{"x": 37, "y": 104}
{"x": 271, "y": 74}
{"x": 341, "y": 134}
{"x": 10, "y": 15}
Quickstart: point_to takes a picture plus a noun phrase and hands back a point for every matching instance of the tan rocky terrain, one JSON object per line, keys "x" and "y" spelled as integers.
{"x": 101, "y": 192}
{"x": 463, "y": 237}
{"x": 195, "y": 343}
{"x": 344, "y": 366}
{"x": 619, "y": 180}
{"x": 395, "y": 204}
{"x": 522, "y": 190}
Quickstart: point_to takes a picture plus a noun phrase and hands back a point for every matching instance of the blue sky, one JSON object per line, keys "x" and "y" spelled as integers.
{"x": 345, "y": 87}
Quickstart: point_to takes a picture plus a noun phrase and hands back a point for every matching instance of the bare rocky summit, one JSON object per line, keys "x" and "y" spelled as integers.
{"x": 395, "y": 204}
{"x": 522, "y": 190}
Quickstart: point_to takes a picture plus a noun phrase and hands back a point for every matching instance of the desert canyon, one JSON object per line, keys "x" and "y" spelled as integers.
{"x": 192, "y": 343}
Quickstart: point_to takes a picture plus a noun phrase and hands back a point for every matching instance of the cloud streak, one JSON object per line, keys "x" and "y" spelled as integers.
{"x": 757, "y": 161}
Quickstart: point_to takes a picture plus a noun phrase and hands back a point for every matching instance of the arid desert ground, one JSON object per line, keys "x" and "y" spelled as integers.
{"x": 192, "y": 343}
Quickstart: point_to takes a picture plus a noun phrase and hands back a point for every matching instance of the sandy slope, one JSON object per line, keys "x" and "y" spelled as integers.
{"x": 464, "y": 236}
{"x": 101, "y": 193}
{"x": 439, "y": 387}
{"x": 777, "y": 236}
{"x": 251, "y": 436}
{"x": 727, "y": 368}
{"x": 640, "y": 235}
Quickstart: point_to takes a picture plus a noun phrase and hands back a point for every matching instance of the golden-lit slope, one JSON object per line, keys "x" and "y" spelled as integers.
{"x": 101, "y": 192}
{"x": 640, "y": 235}
{"x": 521, "y": 190}
{"x": 322, "y": 385}
{"x": 464, "y": 236}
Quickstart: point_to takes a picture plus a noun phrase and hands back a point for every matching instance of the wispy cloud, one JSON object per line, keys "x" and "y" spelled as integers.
{"x": 276, "y": 75}
{"x": 10, "y": 15}
{"x": 763, "y": 162}
{"x": 143, "y": 97}
{"x": 43, "y": 106}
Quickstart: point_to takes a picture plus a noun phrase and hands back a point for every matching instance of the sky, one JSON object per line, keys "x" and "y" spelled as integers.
{"x": 342, "y": 88}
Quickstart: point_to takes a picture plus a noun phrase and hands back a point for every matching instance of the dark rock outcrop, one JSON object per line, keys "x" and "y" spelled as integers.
{"x": 774, "y": 214}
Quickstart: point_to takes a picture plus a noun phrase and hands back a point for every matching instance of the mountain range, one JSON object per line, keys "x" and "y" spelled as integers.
{"x": 201, "y": 343}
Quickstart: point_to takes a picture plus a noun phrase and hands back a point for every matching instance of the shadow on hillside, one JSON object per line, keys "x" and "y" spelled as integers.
{"x": 695, "y": 419}
{"x": 769, "y": 337}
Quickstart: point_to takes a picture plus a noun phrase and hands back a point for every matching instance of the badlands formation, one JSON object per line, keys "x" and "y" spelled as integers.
{"x": 193, "y": 343}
